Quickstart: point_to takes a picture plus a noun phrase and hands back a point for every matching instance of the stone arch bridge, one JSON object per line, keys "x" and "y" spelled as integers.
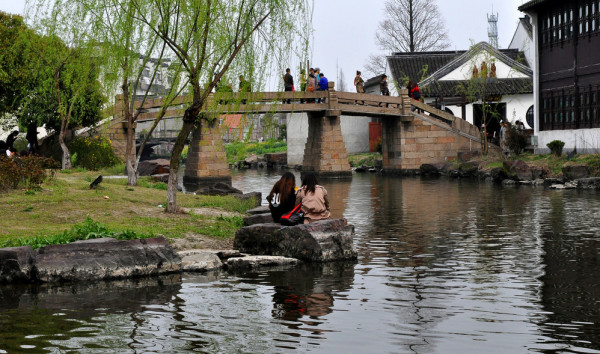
{"x": 409, "y": 139}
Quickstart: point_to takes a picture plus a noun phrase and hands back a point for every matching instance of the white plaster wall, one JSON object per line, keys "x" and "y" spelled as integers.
{"x": 524, "y": 43}
{"x": 516, "y": 108}
{"x": 586, "y": 140}
{"x": 355, "y": 131}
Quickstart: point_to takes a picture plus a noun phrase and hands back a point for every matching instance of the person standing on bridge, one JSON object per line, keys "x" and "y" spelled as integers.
{"x": 414, "y": 93}
{"x": 323, "y": 85}
{"x": 244, "y": 87}
{"x": 359, "y": 83}
{"x": 383, "y": 86}
{"x": 311, "y": 84}
{"x": 288, "y": 83}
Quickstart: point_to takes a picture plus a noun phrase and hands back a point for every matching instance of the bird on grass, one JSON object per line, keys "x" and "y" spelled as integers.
{"x": 96, "y": 182}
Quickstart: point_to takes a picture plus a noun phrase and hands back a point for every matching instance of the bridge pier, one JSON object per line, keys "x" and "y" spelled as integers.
{"x": 391, "y": 144}
{"x": 325, "y": 152}
{"x": 206, "y": 161}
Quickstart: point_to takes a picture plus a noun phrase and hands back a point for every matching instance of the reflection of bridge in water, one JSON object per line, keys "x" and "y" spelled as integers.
{"x": 409, "y": 139}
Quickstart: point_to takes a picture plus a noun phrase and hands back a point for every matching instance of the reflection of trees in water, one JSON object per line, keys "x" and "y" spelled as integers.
{"x": 571, "y": 283}
{"x": 68, "y": 313}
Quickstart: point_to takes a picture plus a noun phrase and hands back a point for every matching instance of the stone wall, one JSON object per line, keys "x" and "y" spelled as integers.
{"x": 426, "y": 140}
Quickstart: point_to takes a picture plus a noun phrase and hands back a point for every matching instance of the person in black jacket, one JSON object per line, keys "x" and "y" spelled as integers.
{"x": 10, "y": 140}
{"x": 282, "y": 198}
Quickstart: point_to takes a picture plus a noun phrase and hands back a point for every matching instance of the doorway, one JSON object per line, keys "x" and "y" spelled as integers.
{"x": 495, "y": 113}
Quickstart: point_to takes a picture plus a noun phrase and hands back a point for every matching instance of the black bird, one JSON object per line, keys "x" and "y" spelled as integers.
{"x": 96, "y": 182}
{"x": 571, "y": 155}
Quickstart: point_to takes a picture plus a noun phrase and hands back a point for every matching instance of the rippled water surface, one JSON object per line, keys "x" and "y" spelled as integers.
{"x": 444, "y": 266}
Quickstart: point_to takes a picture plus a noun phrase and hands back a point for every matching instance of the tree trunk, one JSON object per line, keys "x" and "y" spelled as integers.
{"x": 411, "y": 29}
{"x": 66, "y": 157}
{"x": 188, "y": 125}
{"x": 130, "y": 154}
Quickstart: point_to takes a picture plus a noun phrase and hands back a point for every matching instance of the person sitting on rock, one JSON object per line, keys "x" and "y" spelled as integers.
{"x": 282, "y": 198}
{"x": 313, "y": 198}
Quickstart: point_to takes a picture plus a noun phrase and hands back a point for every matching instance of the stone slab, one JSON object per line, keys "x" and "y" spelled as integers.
{"x": 199, "y": 261}
{"x": 258, "y": 210}
{"x": 105, "y": 259}
{"x": 253, "y": 262}
{"x": 258, "y": 219}
{"x": 16, "y": 264}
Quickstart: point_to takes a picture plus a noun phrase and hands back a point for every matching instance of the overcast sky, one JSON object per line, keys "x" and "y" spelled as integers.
{"x": 344, "y": 33}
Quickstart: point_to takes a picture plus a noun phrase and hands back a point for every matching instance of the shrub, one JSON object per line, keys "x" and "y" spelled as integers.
{"x": 556, "y": 147}
{"x": 25, "y": 171}
{"x": 89, "y": 229}
{"x": 93, "y": 153}
{"x": 516, "y": 140}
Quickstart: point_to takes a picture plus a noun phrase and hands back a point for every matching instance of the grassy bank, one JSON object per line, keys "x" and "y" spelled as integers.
{"x": 67, "y": 200}
{"x": 551, "y": 163}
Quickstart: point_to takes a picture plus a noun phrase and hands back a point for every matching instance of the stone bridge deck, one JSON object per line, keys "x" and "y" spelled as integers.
{"x": 409, "y": 139}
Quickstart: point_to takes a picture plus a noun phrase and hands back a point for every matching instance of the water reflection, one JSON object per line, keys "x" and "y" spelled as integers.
{"x": 76, "y": 316}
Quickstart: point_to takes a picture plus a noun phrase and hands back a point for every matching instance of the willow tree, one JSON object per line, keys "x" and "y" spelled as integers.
{"x": 133, "y": 57}
{"x": 68, "y": 71}
{"x": 209, "y": 38}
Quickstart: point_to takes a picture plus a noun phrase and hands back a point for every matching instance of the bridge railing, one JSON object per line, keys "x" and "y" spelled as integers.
{"x": 292, "y": 101}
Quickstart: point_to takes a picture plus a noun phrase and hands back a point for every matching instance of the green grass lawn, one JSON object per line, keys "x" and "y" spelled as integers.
{"x": 67, "y": 200}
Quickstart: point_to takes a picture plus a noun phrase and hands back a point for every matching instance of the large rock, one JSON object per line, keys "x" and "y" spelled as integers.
{"x": 435, "y": 169}
{"x": 258, "y": 210}
{"x": 16, "y": 264}
{"x": 468, "y": 169}
{"x": 588, "y": 183}
{"x": 258, "y": 219}
{"x": 153, "y": 167}
{"x": 199, "y": 261}
{"x": 106, "y": 258}
{"x": 573, "y": 172}
{"x": 320, "y": 241}
{"x": 274, "y": 159}
{"x": 518, "y": 170}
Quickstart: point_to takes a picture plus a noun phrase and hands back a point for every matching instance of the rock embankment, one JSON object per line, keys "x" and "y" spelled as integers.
{"x": 107, "y": 258}
{"x": 517, "y": 172}
{"x": 104, "y": 258}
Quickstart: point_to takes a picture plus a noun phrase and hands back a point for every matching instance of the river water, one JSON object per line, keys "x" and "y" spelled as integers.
{"x": 445, "y": 266}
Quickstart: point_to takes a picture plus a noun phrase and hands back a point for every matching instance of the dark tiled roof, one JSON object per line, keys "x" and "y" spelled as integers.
{"x": 428, "y": 68}
{"x": 493, "y": 87}
{"x": 372, "y": 84}
{"x": 531, "y": 4}
{"x": 420, "y": 65}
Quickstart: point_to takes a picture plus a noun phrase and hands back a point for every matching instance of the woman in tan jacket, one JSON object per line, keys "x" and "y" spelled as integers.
{"x": 313, "y": 198}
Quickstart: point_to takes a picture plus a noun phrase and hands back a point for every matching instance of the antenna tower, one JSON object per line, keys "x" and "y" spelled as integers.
{"x": 493, "y": 29}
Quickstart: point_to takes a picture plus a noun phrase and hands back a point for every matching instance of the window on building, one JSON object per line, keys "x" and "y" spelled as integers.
{"x": 529, "y": 117}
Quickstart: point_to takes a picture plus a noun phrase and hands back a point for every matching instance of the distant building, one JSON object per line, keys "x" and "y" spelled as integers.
{"x": 566, "y": 51}
{"x": 444, "y": 79}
